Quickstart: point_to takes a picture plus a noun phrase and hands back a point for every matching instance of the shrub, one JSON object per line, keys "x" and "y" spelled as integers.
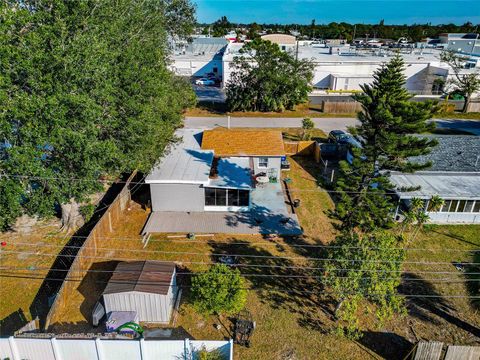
{"x": 219, "y": 290}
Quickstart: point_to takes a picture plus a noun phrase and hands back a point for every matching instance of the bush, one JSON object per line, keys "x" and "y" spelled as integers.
{"x": 307, "y": 125}
{"x": 204, "y": 354}
{"x": 219, "y": 290}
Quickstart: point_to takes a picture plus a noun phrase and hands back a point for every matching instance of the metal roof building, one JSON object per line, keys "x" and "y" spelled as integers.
{"x": 454, "y": 176}
{"x": 147, "y": 287}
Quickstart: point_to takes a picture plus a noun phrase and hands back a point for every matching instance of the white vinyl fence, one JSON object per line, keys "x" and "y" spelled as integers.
{"x": 80, "y": 349}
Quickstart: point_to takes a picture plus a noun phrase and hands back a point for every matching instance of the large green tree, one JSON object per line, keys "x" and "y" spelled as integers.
{"x": 265, "y": 78}
{"x": 389, "y": 122}
{"x": 85, "y": 94}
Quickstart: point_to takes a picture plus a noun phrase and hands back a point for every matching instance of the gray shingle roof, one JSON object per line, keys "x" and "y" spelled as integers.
{"x": 454, "y": 153}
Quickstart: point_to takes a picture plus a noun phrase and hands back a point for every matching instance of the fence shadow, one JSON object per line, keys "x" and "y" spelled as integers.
{"x": 50, "y": 287}
{"x": 12, "y": 322}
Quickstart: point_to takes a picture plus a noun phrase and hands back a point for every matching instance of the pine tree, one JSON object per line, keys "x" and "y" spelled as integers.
{"x": 389, "y": 122}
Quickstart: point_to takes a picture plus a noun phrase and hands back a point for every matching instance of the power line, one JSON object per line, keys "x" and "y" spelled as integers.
{"x": 246, "y": 255}
{"x": 273, "y": 290}
{"x": 318, "y": 189}
{"x": 188, "y": 241}
{"x": 245, "y": 265}
{"x": 30, "y": 269}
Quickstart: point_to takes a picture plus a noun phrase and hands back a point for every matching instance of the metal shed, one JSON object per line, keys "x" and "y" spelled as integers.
{"x": 147, "y": 287}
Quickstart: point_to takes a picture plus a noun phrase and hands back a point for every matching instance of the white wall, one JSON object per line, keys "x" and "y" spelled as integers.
{"x": 198, "y": 68}
{"x": 149, "y": 307}
{"x": 97, "y": 349}
{"x": 273, "y": 163}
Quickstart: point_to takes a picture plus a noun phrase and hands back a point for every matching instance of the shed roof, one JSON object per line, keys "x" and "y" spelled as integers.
{"x": 184, "y": 161}
{"x": 234, "y": 142}
{"x": 142, "y": 276}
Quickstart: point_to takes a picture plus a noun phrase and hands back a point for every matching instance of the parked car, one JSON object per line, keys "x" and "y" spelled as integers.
{"x": 345, "y": 139}
{"x": 205, "y": 82}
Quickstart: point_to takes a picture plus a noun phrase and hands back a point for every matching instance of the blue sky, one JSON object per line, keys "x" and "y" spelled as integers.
{"x": 325, "y": 11}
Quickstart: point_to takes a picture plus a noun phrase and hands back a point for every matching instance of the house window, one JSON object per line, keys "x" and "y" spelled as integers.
{"x": 226, "y": 197}
{"x": 476, "y": 208}
{"x": 453, "y": 206}
{"x": 263, "y": 162}
{"x": 469, "y": 206}
{"x": 446, "y": 206}
{"x": 284, "y": 48}
{"x": 209, "y": 197}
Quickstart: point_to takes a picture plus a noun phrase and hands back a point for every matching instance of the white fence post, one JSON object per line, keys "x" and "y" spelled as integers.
{"x": 13, "y": 348}
{"x": 143, "y": 352}
{"x": 98, "y": 346}
{"x": 56, "y": 350}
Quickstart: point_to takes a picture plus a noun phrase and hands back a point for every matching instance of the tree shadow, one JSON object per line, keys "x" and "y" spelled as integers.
{"x": 473, "y": 281}
{"x": 279, "y": 282}
{"x": 386, "y": 344}
{"x": 433, "y": 306}
{"x": 12, "y": 322}
{"x": 52, "y": 283}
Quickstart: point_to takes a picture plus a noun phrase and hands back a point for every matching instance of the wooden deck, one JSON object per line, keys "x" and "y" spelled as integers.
{"x": 223, "y": 223}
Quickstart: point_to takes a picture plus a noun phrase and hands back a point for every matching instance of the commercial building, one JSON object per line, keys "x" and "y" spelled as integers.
{"x": 339, "y": 67}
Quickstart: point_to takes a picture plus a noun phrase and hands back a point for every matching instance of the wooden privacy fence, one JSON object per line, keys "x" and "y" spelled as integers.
{"x": 302, "y": 148}
{"x": 341, "y": 107}
{"x": 83, "y": 259}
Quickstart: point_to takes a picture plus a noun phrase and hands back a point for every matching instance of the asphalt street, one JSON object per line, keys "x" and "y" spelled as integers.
{"x": 325, "y": 124}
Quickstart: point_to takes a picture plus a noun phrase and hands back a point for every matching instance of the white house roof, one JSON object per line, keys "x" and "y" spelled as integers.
{"x": 184, "y": 161}
{"x": 233, "y": 172}
{"x": 446, "y": 185}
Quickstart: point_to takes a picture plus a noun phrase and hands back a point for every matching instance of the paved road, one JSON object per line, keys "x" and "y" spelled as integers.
{"x": 325, "y": 124}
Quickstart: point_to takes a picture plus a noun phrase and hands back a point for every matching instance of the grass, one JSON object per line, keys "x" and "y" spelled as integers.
{"x": 458, "y": 115}
{"x": 293, "y": 314}
{"x": 17, "y": 294}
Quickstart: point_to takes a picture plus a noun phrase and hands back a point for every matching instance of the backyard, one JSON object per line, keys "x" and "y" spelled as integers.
{"x": 293, "y": 313}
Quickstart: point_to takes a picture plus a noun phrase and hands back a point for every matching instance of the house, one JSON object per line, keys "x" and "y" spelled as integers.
{"x": 464, "y": 43}
{"x": 220, "y": 181}
{"x": 148, "y": 288}
{"x": 454, "y": 176}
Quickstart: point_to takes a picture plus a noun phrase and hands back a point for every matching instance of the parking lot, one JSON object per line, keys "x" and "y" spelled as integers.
{"x": 209, "y": 93}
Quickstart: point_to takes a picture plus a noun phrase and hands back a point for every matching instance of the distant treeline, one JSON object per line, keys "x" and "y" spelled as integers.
{"x": 334, "y": 30}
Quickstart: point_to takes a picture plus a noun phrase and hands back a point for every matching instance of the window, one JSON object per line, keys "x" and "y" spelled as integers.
{"x": 453, "y": 206}
{"x": 224, "y": 197}
{"x": 461, "y": 205}
{"x": 446, "y": 206}
{"x": 284, "y": 48}
{"x": 209, "y": 197}
{"x": 221, "y": 197}
{"x": 243, "y": 197}
{"x": 476, "y": 208}
{"x": 263, "y": 162}
{"x": 232, "y": 197}
{"x": 469, "y": 206}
